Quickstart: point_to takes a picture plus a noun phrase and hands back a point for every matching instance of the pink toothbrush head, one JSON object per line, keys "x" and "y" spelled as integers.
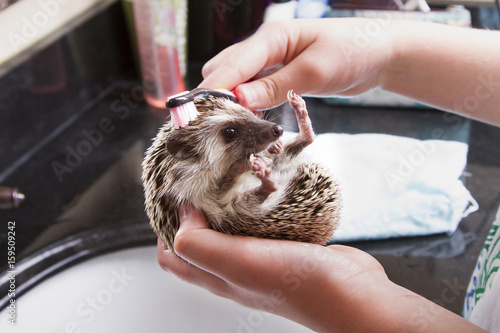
{"x": 182, "y": 107}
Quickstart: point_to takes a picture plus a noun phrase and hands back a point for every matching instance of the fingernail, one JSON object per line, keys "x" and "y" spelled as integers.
{"x": 245, "y": 96}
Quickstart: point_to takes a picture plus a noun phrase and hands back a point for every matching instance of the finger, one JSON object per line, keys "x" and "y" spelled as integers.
{"x": 239, "y": 260}
{"x": 233, "y": 66}
{"x": 271, "y": 90}
{"x": 243, "y": 61}
{"x": 230, "y": 61}
{"x": 173, "y": 264}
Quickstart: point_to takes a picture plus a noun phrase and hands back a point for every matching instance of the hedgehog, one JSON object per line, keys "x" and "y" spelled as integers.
{"x": 233, "y": 166}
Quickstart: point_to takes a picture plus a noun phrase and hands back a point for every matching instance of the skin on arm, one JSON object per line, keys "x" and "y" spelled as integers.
{"x": 455, "y": 69}
{"x": 327, "y": 289}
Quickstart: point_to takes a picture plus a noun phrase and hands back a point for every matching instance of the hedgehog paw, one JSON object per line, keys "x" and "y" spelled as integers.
{"x": 275, "y": 147}
{"x": 306, "y": 133}
{"x": 297, "y": 104}
{"x": 260, "y": 166}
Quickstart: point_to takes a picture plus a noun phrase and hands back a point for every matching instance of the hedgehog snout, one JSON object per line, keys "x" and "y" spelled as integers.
{"x": 271, "y": 132}
{"x": 277, "y": 130}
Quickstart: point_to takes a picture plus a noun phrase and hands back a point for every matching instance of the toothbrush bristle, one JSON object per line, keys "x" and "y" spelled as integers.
{"x": 182, "y": 107}
{"x": 183, "y": 114}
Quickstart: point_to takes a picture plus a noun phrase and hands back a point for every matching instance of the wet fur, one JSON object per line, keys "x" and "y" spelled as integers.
{"x": 196, "y": 164}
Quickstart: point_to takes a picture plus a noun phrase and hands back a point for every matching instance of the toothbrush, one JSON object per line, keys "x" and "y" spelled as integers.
{"x": 182, "y": 108}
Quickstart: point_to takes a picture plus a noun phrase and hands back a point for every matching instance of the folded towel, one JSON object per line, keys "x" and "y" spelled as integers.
{"x": 395, "y": 186}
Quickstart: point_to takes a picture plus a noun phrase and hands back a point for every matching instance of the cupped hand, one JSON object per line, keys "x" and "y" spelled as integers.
{"x": 320, "y": 287}
{"x": 318, "y": 57}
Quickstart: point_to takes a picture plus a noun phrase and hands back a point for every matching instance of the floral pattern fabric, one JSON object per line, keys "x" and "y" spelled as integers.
{"x": 482, "y": 301}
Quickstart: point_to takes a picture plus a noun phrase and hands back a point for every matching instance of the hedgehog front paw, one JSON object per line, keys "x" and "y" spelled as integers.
{"x": 306, "y": 133}
{"x": 297, "y": 104}
{"x": 275, "y": 147}
{"x": 261, "y": 166}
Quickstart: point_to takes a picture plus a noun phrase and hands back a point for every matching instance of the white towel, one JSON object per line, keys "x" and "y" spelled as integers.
{"x": 395, "y": 186}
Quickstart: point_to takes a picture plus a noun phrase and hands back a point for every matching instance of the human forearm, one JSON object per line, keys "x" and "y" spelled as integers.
{"x": 389, "y": 309}
{"x": 404, "y": 311}
{"x": 455, "y": 69}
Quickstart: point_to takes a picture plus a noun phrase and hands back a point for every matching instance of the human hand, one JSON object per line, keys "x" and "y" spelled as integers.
{"x": 325, "y": 288}
{"x": 328, "y": 289}
{"x": 348, "y": 56}
{"x": 316, "y": 57}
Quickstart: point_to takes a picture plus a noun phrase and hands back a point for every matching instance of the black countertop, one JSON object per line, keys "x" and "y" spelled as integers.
{"x": 74, "y": 145}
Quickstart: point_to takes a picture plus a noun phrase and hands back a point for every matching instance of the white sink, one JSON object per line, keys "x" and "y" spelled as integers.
{"x": 126, "y": 291}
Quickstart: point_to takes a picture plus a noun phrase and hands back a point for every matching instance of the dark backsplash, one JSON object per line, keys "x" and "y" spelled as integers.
{"x": 48, "y": 104}
{"x": 59, "y": 82}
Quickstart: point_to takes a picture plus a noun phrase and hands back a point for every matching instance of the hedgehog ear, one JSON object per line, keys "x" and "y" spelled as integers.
{"x": 179, "y": 148}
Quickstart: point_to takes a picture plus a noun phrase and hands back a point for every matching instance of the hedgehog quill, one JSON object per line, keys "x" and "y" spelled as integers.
{"x": 233, "y": 166}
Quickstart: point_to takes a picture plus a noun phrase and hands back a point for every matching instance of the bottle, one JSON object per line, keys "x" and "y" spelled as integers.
{"x": 158, "y": 52}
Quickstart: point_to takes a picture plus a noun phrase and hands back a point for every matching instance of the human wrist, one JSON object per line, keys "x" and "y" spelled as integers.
{"x": 396, "y": 61}
{"x": 358, "y": 298}
{"x": 379, "y": 309}
{"x": 405, "y": 311}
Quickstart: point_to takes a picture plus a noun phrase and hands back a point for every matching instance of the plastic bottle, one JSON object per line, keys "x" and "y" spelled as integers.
{"x": 158, "y": 53}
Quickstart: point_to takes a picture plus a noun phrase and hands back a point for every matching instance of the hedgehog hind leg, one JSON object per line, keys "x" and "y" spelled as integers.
{"x": 261, "y": 167}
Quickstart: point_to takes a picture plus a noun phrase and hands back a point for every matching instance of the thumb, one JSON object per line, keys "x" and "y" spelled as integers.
{"x": 190, "y": 218}
{"x": 260, "y": 94}
{"x": 191, "y": 221}
{"x": 271, "y": 88}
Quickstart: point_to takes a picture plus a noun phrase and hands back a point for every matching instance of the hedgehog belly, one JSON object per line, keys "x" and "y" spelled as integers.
{"x": 310, "y": 211}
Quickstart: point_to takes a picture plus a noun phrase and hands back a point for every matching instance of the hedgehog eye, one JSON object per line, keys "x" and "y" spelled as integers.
{"x": 230, "y": 132}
